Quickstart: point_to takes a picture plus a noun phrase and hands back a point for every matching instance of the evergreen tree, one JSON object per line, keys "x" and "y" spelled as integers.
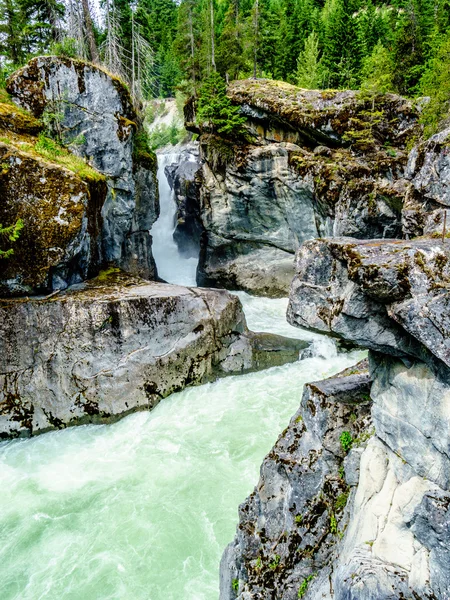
{"x": 435, "y": 83}
{"x": 309, "y": 69}
{"x": 377, "y": 72}
{"x": 11, "y": 234}
{"x": 215, "y": 109}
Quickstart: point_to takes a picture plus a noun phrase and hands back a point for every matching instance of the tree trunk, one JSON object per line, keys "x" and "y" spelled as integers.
{"x": 213, "y": 52}
{"x": 255, "y": 49}
{"x": 90, "y": 32}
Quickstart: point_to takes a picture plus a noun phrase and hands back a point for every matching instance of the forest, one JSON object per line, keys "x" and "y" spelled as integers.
{"x": 161, "y": 46}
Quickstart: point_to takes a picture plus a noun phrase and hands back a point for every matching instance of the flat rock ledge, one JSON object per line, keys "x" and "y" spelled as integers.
{"x": 119, "y": 344}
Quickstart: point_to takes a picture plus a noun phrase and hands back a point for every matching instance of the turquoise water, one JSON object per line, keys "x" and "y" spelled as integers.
{"x": 142, "y": 509}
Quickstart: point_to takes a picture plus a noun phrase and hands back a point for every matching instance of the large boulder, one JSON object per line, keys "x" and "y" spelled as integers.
{"x": 118, "y": 344}
{"x": 389, "y": 296}
{"x": 93, "y": 113}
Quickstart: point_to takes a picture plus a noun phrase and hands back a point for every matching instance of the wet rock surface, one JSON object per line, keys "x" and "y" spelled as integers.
{"x": 118, "y": 344}
{"x": 391, "y": 540}
{"x": 95, "y": 117}
{"x": 290, "y": 527}
{"x": 184, "y": 178}
{"x": 389, "y": 296}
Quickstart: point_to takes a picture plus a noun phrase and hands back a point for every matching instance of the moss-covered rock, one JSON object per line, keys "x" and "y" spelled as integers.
{"x": 60, "y": 241}
{"x": 319, "y": 163}
{"x": 92, "y": 112}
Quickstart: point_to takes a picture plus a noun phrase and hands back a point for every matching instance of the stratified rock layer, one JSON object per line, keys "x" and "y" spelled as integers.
{"x": 116, "y": 345}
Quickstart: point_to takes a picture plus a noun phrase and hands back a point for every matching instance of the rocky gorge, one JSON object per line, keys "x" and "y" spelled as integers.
{"x": 329, "y": 197}
{"x": 353, "y": 500}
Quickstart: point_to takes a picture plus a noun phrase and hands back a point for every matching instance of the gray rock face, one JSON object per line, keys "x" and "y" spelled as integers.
{"x": 254, "y": 219}
{"x": 94, "y": 115}
{"x": 118, "y": 344}
{"x": 428, "y": 171}
{"x": 392, "y": 539}
{"x": 390, "y": 297}
{"x": 288, "y": 527}
{"x": 261, "y": 200}
{"x": 370, "y": 523}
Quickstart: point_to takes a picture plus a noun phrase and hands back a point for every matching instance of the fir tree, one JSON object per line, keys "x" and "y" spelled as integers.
{"x": 309, "y": 65}
{"x": 377, "y": 72}
{"x": 215, "y": 109}
{"x": 435, "y": 83}
{"x": 11, "y": 234}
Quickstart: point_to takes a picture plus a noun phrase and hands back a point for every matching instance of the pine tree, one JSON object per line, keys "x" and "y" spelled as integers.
{"x": 435, "y": 83}
{"x": 309, "y": 65}
{"x": 215, "y": 109}
{"x": 377, "y": 72}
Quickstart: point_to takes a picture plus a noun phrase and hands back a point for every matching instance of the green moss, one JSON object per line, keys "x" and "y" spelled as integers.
{"x": 341, "y": 501}
{"x": 107, "y": 273}
{"x": 304, "y": 585}
{"x": 50, "y": 150}
{"x": 142, "y": 153}
{"x": 346, "y": 440}
{"x": 274, "y": 562}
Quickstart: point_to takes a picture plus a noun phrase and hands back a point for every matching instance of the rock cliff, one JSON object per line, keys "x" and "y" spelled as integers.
{"x": 59, "y": 199}
{"x": 92, "y": 113}
{"x": 353, "y": 501}
{"x": 312, "y": 164}
{"x": 118, "y": 344}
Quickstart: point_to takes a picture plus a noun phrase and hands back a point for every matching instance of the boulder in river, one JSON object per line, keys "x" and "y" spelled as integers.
{"x": 118, "y": 344}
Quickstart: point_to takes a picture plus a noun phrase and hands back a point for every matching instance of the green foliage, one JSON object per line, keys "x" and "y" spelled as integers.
{"x": 274, "y": 562}
{"x": 346, "y": 440}
{"x": 377, "y": 72}
{"x": 66, "y": 47}
{"x": 235, "y": 585}
{"x": 304, "y": 585}
{"x": 163, "y": 135}
{"x": 298, "y": 519}
{"x": 341, "y": 501}
{"x": 333, "y": 524}
{"x": 435, "y": 83}
{"x": 215, "y": 109}
{"x": 309, "y": 65}
{"x": 53, "y": 151}
{"x": 11, "y": 234}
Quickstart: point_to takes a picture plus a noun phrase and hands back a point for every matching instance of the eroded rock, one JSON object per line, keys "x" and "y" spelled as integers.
{"x": 95, "y": 117}
{"x": 290, "y": 525}
{"x": 118, "y": 344}
{"x": 313, "y": 164}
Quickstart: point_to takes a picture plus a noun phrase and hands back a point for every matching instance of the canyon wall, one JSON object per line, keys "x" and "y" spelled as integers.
{"x": 310, "y": 164}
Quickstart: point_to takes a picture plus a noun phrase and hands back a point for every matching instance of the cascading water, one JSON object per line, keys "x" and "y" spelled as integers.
{"x": 142, "y": 509}
{"x": 172, "y": 267}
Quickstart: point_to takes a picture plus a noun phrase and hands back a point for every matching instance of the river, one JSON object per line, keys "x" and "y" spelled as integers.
{"x": 142, "y": 509}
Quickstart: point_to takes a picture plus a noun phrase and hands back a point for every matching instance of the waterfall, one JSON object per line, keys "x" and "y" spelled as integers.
{"x": 171, "y": 265}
